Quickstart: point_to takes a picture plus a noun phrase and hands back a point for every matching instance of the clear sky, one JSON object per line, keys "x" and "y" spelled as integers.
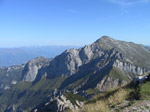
{"x": 72, "y": 22}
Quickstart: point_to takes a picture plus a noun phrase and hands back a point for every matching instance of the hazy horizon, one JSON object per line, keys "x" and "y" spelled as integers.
{"x": 39, "y": 46}
{"x": 42, "y": 46}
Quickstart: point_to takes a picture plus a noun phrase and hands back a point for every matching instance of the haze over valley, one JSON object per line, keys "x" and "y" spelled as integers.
{"x": 20, "y": 55}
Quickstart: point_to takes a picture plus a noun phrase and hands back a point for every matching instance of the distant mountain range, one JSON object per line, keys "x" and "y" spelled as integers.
{"x": 64, "y": 82}
{"x": 20, "y": 55}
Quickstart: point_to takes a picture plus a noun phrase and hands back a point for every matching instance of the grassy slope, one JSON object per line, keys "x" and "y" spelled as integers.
{"x": 118, "y": 74}
{"x": 6, "y": 76}
{"x": 91, "y": 80}
{"x": 145, "y": 91}
{"x": 25, "y": 95}
{"x": 108, "y": 100}
{"x": 102, "y": 102}
{"x": 73, "y": 98}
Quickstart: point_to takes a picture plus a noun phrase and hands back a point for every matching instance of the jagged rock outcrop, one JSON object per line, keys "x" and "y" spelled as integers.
{"x": 127, "y": 67}
{"x": 59, "y": 103}
{"x": 31, "y": 68}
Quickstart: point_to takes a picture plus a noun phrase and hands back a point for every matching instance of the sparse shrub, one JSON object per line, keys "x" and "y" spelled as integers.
{"x": 145, "y": 91}
{"x": 131, "y": 103}
{"x": 109, "y": 100}
{"x": 118, "y": 97}
{"x": 99, "y": 106}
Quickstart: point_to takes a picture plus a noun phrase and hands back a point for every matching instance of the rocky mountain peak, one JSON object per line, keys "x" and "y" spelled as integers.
{"x": 105, "y": 39}
{"x": 106, "y": 43}
{"x": 133, "y": 53}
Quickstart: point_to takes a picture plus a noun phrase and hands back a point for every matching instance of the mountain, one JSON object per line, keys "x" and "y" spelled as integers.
{"x": 148, "y": 48}
{"x": 10, "y": 76}
{"x": 43, "y": 85}
{"x": 20, "y": 55}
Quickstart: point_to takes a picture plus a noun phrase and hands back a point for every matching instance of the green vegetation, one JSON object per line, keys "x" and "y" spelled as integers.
{"x": 78, "y": 82}
{"x": 73, "y": 98}
{"x": 25, "y": 95}
{"x": 118, "y": 74}
{"x": 92, "y": 91}
{"x": 7, "y": 76}
{"x": 104, "y": 101}
{"x": 112, "y": 99}
{"x": 145, "y": 91}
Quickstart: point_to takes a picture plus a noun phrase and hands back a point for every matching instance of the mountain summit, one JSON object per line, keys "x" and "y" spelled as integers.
{"x": 104, "y": 39}
{"x": 41, "y": 83}
{"x": 133, "y": 53}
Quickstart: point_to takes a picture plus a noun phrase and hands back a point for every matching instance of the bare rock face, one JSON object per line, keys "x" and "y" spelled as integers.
{"x": 127, "y": 67}
{"x": 31, "y": 68}
{"x": 59, "y": 104}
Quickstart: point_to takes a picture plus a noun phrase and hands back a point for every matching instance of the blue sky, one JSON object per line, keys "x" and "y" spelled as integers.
{"x": 72, "y": 22}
